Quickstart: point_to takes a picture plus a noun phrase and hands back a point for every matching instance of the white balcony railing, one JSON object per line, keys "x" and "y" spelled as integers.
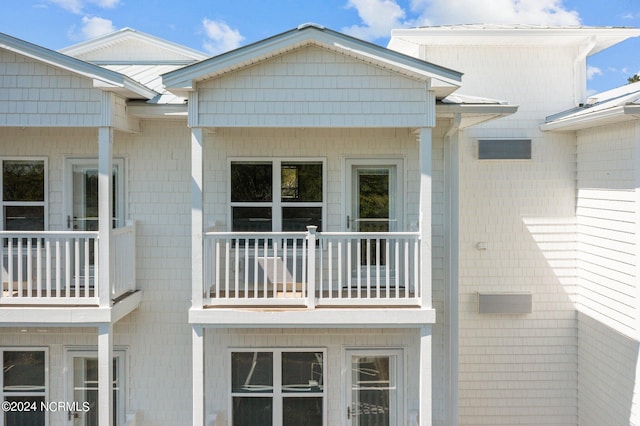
{"x": 312, "y": 269}
{"x": 62, "y": 268}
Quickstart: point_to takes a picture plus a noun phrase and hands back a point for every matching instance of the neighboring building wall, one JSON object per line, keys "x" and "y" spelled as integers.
{"x": 607, "y": 302}
{"x": 517, "y": 368}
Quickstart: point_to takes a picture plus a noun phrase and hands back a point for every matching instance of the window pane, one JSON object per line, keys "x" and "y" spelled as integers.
{"x": 23, "y": 181}
{"x": 251, "y": 372}
{"x": 26, "y": 418}
{"x": 252, "y": 411}
{"x": 302, "y": 411}
{"x": 301, "y": 182}
{"x": 23, "y": 371}
{"x": 302, "y": 371}
{"x": 23, "y": 218}
{"x": 297, "y": 218}
{"x": 256, "y": 219}
{"x": 251, "y": 182}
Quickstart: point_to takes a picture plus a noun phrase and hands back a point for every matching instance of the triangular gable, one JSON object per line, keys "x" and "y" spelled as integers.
{"x": 443, "y": 80}
{"x": 102, "y": 78}
{"x": 128, "y": 46}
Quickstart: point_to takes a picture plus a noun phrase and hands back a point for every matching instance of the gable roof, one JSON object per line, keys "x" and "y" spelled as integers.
{"x": 111, "y": 48}
{"x": 613, "y": 106}
{"x": 444, "y": 80}
{"x": 594, "y": 39}
{"x": 102, "y": 78}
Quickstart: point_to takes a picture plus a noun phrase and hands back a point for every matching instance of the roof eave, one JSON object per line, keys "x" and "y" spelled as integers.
{"x": 184, "y": 79}
{"x": 474, "y": 114}
{"x": 102, "y": 78}
{"x": 613, "y": 115}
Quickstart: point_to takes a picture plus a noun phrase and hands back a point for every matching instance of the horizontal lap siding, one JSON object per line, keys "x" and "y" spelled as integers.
{"x": 607, "y": 212}
{"x": 607, "y": 227}
{"x": 34, "y": 94}
{"x": 312, "y": 87}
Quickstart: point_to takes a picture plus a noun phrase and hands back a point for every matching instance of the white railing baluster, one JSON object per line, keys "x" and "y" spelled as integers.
{"x": 39, "y": 267}
{"x": 20, "y": 265}
{"x": 10, "y": 267}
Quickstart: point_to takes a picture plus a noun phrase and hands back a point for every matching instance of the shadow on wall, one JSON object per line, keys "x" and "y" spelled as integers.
{"x": 607, "y": 363}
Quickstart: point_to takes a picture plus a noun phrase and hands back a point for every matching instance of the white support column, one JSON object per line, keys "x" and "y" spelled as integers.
{"x": 425, "y": 376}
{"x": 105, "y": 375}
{"x": 197, "y": 380}
{"x": 197, "y": 218}
{"x": 424, "y": 141}
{"x": 105, "y": 210}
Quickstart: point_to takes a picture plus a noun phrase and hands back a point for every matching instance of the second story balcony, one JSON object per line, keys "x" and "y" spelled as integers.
{"x": 312, "y": 270}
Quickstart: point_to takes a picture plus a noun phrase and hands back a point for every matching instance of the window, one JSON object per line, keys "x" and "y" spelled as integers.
{"x": 24, "y": 384}
{"x": 24, "y": 194}
{"x": 504, "y": 149}
{"x": 273, "y": 196}
{"x": 277, "y": 388}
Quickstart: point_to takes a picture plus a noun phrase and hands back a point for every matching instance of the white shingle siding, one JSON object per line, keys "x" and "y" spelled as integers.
{"x": 517, "y": 368}
{"x": 34, "y": 94}
{"x": 313, "y": 87}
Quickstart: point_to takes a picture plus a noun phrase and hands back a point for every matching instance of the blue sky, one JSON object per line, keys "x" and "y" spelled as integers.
{"x": 214, "y": 26}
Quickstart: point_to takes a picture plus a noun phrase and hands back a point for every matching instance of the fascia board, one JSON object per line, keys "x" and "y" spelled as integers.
{"x": 184, "y": 78}
{"x": 598, "y": 118}
{"x": 472, "y": 115}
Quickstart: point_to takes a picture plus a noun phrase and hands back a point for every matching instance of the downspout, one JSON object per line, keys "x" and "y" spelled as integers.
{"x": 451, "y": 222}
{"x": 579, "y": 72}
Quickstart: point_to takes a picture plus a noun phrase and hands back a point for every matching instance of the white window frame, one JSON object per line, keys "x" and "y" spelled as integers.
{"x": 92, "y": 352}
{"x": 44, "y": 203}
{"x": 45, "y": 394}
{"x": 276, "y": 394}
{"x": 276, "y": 204}
{"x": 118, "y": 162}
{"x": 401, "y": 377}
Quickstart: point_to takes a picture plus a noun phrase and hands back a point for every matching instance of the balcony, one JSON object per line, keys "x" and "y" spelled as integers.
{"x": 312, "y": 270}
{"x": 62, "y": 268}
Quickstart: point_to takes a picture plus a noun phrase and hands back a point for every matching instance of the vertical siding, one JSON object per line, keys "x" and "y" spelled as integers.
{"x": 35, "y": 94}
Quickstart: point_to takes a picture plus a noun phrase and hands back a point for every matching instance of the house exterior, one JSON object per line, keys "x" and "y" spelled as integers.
{"x": 315, "y": 229}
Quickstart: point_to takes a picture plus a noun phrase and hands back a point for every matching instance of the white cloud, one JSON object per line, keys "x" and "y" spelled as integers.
{"x": 593, "y": 71}
{"x": 77, "y": 6}
{"x": 221, "y": 37}
{"x": 538, "y": 12}
{"x": 378, "y": 17}
{"x": 92, "y": 27}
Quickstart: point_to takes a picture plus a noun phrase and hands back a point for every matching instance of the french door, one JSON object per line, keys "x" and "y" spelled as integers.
{"x": 374, "y": 388}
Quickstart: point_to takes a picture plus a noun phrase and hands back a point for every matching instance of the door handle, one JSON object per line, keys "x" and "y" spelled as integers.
{"x": 348, "y": 413}
{"x": 348, "y": 222}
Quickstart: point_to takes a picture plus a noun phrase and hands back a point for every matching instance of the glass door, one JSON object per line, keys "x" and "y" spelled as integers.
{"x": 82, "y": 185}
{"x": 374, "y": 388}
{"x": 84, "y": 388}
{"x": 374, "y": 206}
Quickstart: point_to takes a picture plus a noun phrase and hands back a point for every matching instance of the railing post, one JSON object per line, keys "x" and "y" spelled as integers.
{"x": 311, "y": 266}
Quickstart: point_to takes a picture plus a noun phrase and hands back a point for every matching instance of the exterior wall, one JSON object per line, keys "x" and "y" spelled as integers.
{"x": 156, "y": 335}
{"x": 335, "y": 341}
{"x": 35, "y": 94}
{"x": 517, "y": 368}
{"x": 313, "y": 87}
{"x": 608, "y": 249}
